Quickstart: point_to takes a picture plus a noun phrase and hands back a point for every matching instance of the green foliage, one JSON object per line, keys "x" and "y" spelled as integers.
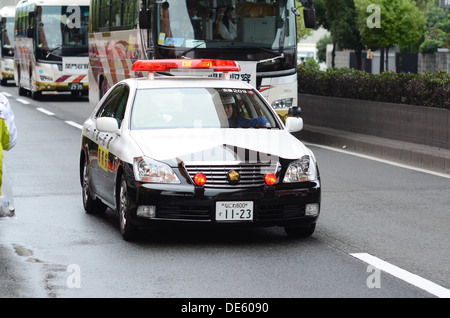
{"x": 322, "y": 47}
{"x": 312, "y": 63}
{"x": 427, "y": 89}
{"x": 402, "y": 23}
{"x": 430, "y": 46}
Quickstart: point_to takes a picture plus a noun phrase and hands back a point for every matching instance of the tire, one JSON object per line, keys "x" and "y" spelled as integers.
{"x": 127, "y": 229}
{"x": 36, "y": 95}
{"x": 3, "y": 82}
{"x": 90, "y": 205}
{"x": 297, "y": 231}
{"x": 22, "y": 91}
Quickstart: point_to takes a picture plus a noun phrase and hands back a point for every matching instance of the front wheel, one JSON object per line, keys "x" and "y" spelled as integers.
{"x": 36, "y": 95}
{"x": 127, "y": 229}
{"x": 90, "y": 205}
{"x": 300, "y": 231}
{"x": 22, "y": 91}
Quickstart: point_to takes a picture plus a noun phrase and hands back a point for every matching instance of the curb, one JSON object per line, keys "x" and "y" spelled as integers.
{"x": 420, "y": 156}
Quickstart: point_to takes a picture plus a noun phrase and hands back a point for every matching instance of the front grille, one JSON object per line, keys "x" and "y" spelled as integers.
{"x": 251, "y": 175}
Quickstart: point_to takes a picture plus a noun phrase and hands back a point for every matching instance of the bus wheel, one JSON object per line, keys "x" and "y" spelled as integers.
{"x": 22, "y": 91}
{"x": 36, "y": 95}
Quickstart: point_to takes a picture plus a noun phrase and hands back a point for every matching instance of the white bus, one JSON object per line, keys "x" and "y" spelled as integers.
{"x": 7, "y": 14}
{"x": 51, "y": 46}
{"x": 265, "y": 42}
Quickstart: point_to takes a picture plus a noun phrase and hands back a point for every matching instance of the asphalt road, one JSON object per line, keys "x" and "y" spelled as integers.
{"x": 53, "y": 249}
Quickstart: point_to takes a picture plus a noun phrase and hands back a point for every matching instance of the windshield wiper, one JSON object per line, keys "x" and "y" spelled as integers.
{"x": 190, "y": 49}
{"x": 51, "y": 51}
{"x": 276, "y": 55}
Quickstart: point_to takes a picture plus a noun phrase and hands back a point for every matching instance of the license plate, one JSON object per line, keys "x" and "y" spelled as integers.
{"x": 75, "y": 86}
{"x": 234, "y": 211}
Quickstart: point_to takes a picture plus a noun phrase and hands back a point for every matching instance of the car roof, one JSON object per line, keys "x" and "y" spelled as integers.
{"x": 186, "y": 81}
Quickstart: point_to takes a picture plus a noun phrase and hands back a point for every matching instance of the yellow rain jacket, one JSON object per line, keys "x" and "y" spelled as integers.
{"x": 8, "y": 130}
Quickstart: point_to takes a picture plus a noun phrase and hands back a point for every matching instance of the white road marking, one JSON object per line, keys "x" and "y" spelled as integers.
{"x": 43, "y": 110}
{"x": 392, "y": 163}
{"x": 7, "y": 94}
{"x": 74, "y": 124}
{"x": 408, "y": 277}
{"x": 23, "y": 101}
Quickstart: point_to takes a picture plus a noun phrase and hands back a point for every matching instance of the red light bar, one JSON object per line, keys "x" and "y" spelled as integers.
{"x": 166, "y": 65}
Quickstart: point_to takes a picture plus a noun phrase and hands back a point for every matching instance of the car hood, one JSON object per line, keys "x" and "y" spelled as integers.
{"x": 218, "y": 144}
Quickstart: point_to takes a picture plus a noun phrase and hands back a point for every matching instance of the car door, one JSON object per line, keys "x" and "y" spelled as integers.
{"x": 105, "y": 167}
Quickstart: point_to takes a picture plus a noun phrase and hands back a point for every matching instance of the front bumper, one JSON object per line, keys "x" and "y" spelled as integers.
{"x": 273, "y": 205}
{"x": 7, "y": 75}
{"x": 59, "y": 86}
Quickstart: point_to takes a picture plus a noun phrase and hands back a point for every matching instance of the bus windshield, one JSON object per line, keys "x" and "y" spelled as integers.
{"x": 7, "y": 35}
{"x": 61, "y": 31}
{"x": 196, "y": 24}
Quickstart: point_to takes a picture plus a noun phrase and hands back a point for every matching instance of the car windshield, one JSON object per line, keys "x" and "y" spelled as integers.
{"x": 200, "y": 108}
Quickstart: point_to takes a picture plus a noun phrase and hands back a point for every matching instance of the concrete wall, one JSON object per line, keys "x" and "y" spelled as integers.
{"x": 414, "y": 124}
{"x": 430, "y": 62}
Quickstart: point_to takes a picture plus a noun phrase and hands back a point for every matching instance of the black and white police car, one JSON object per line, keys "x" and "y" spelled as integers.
{"x": 189, "y": 148}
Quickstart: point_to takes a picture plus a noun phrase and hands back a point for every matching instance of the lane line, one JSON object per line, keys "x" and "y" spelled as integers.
{"x": 392, "y": 163}
{"x": 74, "y": 124}
{"x": 7, "y": 94}
{"x": 23, "y": 101}
{"x": 408, "y": 277}
{"x": 43, "y": 110}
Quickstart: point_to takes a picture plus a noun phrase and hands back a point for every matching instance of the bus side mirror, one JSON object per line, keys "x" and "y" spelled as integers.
{"x": 309, "y": 16}
{"x": 30, "y": 32}
{"x": 295, "y": 111}
{"x": 145, "y": 19}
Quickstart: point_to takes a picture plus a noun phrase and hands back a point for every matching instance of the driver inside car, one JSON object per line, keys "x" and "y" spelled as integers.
{"x": 236, "y": 120}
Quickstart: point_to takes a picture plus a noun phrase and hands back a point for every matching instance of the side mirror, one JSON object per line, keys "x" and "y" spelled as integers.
{"x": 30, "y": 32}
{"x": 145, "y": 19}
{"x": 294, "y": 124}
{"x": 309, "y": 16}
{"x": 295, "y": 111}
{"x": 107, "y": 124}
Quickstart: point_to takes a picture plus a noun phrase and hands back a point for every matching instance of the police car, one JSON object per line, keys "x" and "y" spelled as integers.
{"x": 178, "y": 147}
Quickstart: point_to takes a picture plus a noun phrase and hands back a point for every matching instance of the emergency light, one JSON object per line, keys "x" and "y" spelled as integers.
{"x": 166, "y": 65}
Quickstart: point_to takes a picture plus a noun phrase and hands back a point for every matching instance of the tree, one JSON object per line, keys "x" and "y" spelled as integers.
{"x": 401, "y": 23}
{"x": 347, "y": 32}
{"x": 325, "y": 15}
{"x": 340, "y": 18}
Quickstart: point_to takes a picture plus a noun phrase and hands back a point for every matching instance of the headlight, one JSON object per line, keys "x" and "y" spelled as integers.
{"x": 282, "y": 103}
{"x": 149, "y": 170}
{"x": 301, "y": 170}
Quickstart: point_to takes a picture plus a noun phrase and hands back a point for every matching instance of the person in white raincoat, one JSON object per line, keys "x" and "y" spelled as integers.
{"x": 8, "y": 131}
